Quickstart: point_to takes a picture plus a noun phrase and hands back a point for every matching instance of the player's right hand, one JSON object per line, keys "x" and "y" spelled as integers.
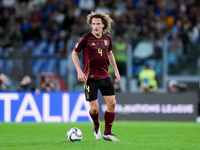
{"x": 82, "y": 77}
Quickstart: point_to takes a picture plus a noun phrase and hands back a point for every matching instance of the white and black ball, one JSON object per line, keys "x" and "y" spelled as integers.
{"x": 74, "y": 135}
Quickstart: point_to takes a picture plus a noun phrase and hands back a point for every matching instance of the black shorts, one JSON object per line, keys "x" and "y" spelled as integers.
{"x": 92, "y": 86}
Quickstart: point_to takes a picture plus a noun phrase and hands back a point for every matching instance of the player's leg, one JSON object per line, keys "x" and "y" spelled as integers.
{"x": 108, "y": 93}
{"x": 109, "y": 113}
{"x": 91, "y": 88}
{"x": 94, "y": 114}
{"x": 109, "y": 118}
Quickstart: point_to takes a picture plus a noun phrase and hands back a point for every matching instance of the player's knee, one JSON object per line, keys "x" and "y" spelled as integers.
{"x": 112, "y": 104}
{"x": 94, "y": 109}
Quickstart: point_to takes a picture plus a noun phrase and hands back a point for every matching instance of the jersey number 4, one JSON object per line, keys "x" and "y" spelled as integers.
{"x": 100, "y": 51}
{"x": 87, "y": 87}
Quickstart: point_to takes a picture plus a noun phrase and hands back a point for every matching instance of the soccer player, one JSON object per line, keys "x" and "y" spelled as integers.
{"x": 97, "y": 55}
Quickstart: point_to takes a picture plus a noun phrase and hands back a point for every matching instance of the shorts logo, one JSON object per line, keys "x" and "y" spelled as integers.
{"x": 105, "y": 42}
{"x": 93, "y": 44}
{"x": 87, "y": 96}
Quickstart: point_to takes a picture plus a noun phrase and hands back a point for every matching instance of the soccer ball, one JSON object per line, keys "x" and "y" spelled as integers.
{"x": 74, "y": 135}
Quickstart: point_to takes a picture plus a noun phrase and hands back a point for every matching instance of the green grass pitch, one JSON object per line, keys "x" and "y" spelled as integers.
{"x": 137, "y": 135}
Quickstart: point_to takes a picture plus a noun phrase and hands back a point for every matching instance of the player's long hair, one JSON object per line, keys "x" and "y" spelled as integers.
{"x": 106, "y": 20}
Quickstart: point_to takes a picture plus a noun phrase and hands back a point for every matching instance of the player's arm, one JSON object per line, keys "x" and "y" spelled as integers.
{"x": 81, "y": 75}
{"x": 114, "y": 65}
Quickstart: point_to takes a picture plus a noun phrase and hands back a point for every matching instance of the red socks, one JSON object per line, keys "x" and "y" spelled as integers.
{"x": 95, "y": 118}
{"x": 109, "y": 119}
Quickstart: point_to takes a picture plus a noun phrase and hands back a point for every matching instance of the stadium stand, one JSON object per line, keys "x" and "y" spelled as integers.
{"x": 38, "y": 36}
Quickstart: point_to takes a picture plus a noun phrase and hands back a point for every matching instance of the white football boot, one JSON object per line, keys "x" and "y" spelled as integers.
{"x": 97, "y": 133}
{"x": 110, "y": 137}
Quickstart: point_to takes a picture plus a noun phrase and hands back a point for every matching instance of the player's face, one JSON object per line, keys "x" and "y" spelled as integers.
{"x": 97, "y": 26}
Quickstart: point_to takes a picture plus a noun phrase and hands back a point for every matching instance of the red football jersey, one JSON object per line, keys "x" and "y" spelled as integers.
{"x": 95, "y": 55}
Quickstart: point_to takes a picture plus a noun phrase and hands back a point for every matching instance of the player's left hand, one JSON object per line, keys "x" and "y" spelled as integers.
{"x": 117, "y": 79}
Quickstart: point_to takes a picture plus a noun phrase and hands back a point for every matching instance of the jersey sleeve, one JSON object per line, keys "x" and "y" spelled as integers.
{"x": 110, "y": 45}
{"x": 79, "y": 45}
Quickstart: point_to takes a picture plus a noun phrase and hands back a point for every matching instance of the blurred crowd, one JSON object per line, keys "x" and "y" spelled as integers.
{"x": 54, "y": 26}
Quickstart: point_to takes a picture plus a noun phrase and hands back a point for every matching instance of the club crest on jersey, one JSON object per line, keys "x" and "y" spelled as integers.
{"x": 105, "y": 42}
{"x": 93, "y": 44}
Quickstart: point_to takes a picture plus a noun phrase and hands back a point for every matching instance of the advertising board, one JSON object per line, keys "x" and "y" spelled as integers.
{"x": 158, "y": 107}
{"x": 44, "y": 107}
